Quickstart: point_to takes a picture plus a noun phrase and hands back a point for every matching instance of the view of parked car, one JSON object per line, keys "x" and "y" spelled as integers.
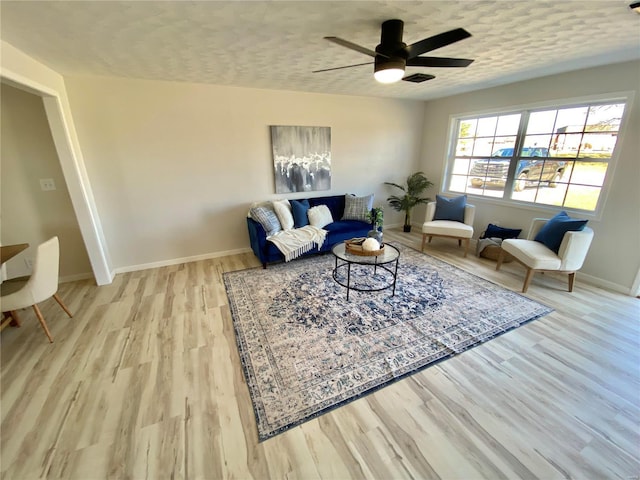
{"x": 493, "y": 171}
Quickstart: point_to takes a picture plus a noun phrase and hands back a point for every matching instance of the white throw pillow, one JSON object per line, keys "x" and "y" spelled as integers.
{"x": 283, "y": 212}
{"x": 320, "y": 216}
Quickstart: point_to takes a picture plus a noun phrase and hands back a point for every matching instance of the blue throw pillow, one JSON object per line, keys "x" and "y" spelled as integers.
{"x": 299, "y": 209}
{"x": 450, "y": 208}
{"x": 552, "y": 233}
{"x": 494, "y": 231}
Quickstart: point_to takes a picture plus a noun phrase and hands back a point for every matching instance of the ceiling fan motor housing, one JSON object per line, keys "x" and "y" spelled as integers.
{"x": 392, "y": 49}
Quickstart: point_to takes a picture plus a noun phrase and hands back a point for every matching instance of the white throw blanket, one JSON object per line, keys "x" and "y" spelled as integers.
{"x": 295, "y": 242}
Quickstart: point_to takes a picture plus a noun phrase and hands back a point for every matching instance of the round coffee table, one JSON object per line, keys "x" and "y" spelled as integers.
{"x": 383, "y": 261}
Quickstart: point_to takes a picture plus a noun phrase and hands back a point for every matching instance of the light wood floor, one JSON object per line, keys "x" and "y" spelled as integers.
{"x": 145, "y": 382}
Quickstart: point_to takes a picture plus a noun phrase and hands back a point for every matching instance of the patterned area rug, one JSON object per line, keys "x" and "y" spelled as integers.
{"x": 306, "y": 350}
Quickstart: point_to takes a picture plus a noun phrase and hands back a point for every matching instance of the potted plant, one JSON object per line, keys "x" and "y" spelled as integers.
{"x": 416, "y": 184}
{"x": 376, "y": 217}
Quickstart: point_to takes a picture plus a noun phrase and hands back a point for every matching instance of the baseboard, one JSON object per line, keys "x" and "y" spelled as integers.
{"x": 605, "y": 284}
{"x": 583, "y": 277}
{"x": 177, "y": 261}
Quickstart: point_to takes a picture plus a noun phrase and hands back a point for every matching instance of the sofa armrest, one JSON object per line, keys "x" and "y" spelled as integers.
{"x": 258, "y": 238}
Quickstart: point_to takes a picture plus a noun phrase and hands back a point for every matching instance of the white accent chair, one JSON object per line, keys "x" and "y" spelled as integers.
{"x": 448, "y": 228}
{"x": 536, "y": 257}
{"x": 40, "y": 286}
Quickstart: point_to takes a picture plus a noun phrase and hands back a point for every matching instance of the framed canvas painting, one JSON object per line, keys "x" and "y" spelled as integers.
{"x": 301, "y": 158}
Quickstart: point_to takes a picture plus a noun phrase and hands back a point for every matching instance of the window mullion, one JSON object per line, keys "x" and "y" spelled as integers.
{"x": 513, "y": 164}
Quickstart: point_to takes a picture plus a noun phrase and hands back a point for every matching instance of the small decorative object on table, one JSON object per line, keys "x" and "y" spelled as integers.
{"x": 364, "y": 247}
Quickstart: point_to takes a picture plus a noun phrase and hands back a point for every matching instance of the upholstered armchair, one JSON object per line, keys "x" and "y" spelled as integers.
{"x": 459, "y": 229}
{"x": 538, "y": 257}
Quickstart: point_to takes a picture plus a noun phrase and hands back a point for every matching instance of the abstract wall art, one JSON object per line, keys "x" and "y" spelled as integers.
{"x": 301, "y": 158}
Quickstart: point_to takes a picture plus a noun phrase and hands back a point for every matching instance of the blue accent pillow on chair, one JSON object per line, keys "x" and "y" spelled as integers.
{"x": 552, "y": 233}
{"x": 450, "y": 208}
{"x": 299, "y": 208}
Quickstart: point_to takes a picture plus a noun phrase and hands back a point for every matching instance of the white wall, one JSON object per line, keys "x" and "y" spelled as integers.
{"x": 175, "y": 166}
{"x": 614, "y": 258}
{"x": 26, "y": 73}
{"x": 29, "y": 214}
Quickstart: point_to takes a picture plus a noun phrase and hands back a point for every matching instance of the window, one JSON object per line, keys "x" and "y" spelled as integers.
{"x": 550, "y": 156}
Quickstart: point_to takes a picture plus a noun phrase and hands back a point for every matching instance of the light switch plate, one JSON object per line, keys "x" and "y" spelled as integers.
{"x": 47, "y": 184}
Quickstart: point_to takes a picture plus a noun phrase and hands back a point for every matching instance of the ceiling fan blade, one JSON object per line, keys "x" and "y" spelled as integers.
{"x": 437, "y": 41}
{"x": 339, "y": 68}
{"x": 353, "y": 46}
{"x": 438, "y": 62}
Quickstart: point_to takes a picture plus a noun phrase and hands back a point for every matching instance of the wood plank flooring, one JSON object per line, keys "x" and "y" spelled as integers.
{"x": 145, "y": 382}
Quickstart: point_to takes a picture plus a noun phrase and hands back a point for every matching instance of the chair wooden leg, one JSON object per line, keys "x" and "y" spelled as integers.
{"x": 61, "y": 303}
{"x": 15, "y": 320}
{"x": 430, "y": 237}
{"x": 527, "y": 279}
{"x": 424, "y": 239}
{"x": 466, "y": 247}
{"x": 572, "y": 278}
{"x": 43, "y": 323}
{"x": 500, "y": 259}
{"x": 9, "y": 318}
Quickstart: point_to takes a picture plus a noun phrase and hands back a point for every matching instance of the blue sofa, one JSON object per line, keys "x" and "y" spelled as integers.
{"x": 339, "y": 231}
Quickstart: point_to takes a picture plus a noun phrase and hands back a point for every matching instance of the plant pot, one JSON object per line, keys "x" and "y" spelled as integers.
{"x": 406, "y": 228}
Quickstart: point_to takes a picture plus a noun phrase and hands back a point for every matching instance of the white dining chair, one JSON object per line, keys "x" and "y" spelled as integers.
{"x": 40, "y": 286}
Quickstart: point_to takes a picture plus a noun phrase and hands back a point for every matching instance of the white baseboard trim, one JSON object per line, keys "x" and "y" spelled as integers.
{"x": 601, "y": 283}
{"x": 595, "y": 281}
{"x": 583, "y": 277}
{"x": 177, "y": 261}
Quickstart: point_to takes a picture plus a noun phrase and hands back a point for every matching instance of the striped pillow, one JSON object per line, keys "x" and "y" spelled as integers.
{"x": 267, "y": 218}
{"x": 357, "y": 208}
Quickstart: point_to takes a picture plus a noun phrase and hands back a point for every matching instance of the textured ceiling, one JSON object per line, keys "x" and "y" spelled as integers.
{"x": 276, "y": 45}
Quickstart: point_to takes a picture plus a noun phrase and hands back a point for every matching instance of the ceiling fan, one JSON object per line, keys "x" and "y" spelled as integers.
{"x": 393, "y": 55}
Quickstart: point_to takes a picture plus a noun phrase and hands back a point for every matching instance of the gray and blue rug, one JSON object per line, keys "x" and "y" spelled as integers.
{"x": 305, "y": 350}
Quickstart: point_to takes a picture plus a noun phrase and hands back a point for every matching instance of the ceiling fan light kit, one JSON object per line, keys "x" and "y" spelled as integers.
{"x": 392, "y": 55}
{"x": 389, "y": 70}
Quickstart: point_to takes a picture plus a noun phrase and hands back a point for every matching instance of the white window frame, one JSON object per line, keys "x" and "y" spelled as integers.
{"x": 626, "y": 97}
